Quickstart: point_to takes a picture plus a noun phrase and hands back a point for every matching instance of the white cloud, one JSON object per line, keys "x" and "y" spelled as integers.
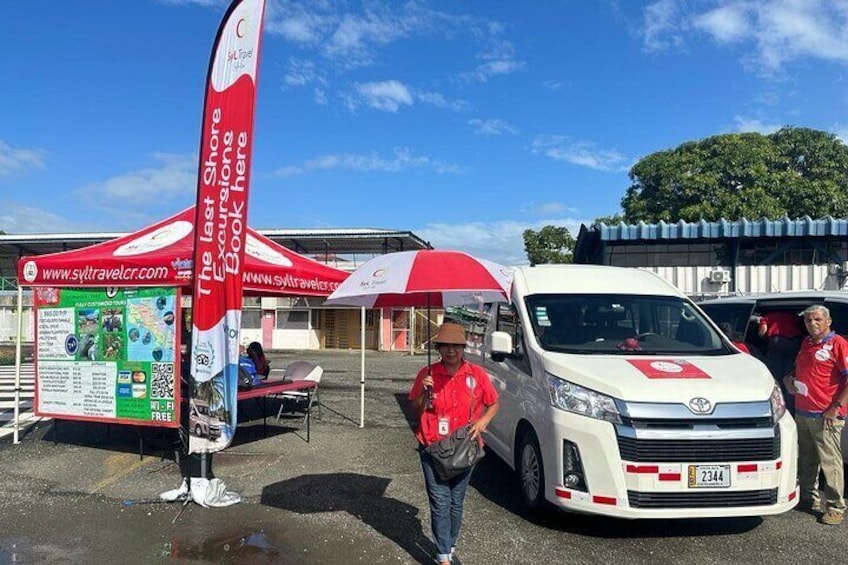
{"x": 497, "y": 54}
{"x": 841, "y": 131}
{"x": 773, "y": 31}
{"x": 392, "y": 95}
{"x": 501, "y": 241}
{"x": 440, "y": 101}
{"x": 298, "y": 24}
{"x": 402, "y": 160}
{"x": 387, "y": 95}
{"x": 26, "y": 219}
{"x": 744, "y": 123}
{"x": 320, "y": 97}
{"x": 300, "y": 72}
{"x": 547, "y": 208}
{"x": 663, "y": 26}
{"x": 14, "y": 159}
{"x": 583, "y": 153}
{"x": 725, "y": 23}
{"x": 494, "y": 126}
{"x": 176, "y": 177}
{"x": 482, "y": 73}
{"x": 302, "y": 28}
{"x": 352, "y": 39}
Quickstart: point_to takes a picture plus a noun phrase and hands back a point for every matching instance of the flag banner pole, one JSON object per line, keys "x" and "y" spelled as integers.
{"x": 220, "y": 225}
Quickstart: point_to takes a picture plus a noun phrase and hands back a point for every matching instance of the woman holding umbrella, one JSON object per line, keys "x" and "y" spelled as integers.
{"x": 448, "y": 395}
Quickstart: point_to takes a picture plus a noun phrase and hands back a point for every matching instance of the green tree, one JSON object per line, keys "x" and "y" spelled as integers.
{"x": 793, "y": 172}
{"x": 609, "y": 220}
{"x": 551, "y": 244}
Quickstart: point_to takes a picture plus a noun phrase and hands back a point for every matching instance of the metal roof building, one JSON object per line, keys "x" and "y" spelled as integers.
{"x": 710, "y": 258}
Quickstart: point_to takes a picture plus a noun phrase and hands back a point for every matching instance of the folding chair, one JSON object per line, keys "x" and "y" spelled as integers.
{"x": 305, "y": 371}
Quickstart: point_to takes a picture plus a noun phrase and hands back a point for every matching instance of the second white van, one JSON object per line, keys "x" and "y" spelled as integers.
{"x": 620, "y": 397}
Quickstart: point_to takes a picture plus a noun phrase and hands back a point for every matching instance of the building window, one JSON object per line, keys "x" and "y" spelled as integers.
{"x": 251, "y": 319}
{"x": 292, "y": 319}
{"x": 793, "y": 252}
{"x": 665, "y": 254}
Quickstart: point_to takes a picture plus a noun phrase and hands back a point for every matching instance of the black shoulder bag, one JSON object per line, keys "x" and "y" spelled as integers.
{"x": 456, "y": 453}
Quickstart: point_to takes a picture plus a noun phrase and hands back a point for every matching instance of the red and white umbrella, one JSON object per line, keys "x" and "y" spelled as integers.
{"x": 428, "y": 278}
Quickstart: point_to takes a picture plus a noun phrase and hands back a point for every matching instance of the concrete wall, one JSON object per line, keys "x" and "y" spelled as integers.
{"x": 9, "y": 317}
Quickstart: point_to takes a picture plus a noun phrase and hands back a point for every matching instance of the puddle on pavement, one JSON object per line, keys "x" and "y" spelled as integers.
{"x": 228, "y": 548}
{"x": 22, "y": 550}
{"x": 14, "y": 551}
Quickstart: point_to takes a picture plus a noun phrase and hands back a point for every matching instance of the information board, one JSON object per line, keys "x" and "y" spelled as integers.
{"x": 108, "y": 355}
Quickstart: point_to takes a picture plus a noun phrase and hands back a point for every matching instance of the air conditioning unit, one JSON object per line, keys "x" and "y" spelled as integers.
{"x": 719, "y": 276}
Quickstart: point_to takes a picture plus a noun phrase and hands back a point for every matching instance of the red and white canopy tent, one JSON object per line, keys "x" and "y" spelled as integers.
{"x": 162, "y": 255}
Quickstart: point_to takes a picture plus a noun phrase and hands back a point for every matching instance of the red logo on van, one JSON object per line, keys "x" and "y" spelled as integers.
{"x": 668, "y": 369}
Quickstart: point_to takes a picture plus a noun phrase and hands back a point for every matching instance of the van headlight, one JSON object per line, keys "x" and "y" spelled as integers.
{"x": 579, "y": 400}
{"x": 778, "y": 405}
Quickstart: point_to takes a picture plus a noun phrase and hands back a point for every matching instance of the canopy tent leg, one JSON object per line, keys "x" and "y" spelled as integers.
{"x": 412, "y": 331}
{"x": 16, "y": 439}
{"x": 362, "y": 367}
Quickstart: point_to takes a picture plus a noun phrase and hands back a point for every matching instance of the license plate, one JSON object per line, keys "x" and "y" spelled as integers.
{"x": 706, "y": 476}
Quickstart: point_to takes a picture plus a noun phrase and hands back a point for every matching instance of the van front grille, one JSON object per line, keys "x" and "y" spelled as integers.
{"x": 701, "y": 499}
{"x": 692, "y": 423}
{"x": 700, "y": 450}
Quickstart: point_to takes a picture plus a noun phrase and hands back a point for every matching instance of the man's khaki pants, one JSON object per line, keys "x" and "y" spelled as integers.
{"x": 820, "y": 449}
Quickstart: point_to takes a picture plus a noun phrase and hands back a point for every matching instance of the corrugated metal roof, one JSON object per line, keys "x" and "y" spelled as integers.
{"x": 801, "y": 227}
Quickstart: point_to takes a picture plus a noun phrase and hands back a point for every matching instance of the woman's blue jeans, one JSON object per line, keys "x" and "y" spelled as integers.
{"x": 446, "y": 500}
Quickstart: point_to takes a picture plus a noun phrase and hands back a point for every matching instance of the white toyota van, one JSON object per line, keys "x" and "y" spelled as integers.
{"x": 620, "y": 397}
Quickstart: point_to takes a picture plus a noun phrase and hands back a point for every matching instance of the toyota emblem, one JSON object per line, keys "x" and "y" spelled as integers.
{"x": 700, "y": 405}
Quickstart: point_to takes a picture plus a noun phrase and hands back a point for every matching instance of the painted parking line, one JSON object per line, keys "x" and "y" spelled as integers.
{"x": 118, "y": 466}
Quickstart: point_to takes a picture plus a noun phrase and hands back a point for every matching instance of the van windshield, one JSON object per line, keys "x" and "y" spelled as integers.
{"x": 622, "y": 324}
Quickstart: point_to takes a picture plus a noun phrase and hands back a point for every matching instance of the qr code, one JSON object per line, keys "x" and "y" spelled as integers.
{"x": 162, "y": 382}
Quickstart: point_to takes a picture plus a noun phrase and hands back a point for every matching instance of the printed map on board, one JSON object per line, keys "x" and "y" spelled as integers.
{"x": 150, "y": 329}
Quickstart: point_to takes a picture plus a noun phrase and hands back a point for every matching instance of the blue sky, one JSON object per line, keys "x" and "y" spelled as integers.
{"x": 465, "y": 122}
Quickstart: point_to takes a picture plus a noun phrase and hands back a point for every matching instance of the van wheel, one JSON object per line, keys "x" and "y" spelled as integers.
{"x": 198, "y": 431}
{"x": 531, "y": 472}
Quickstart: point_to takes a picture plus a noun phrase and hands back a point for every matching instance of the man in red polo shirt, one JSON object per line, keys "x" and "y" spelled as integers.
{"x": 783, "y": 331}
{"x": 818, "y": 383}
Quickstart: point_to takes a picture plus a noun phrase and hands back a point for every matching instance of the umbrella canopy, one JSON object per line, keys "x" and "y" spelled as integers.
{"x": 429, "y": 277}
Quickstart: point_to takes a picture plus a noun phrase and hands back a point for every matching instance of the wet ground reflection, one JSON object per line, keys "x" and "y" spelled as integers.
{"x": 249, "y": 547}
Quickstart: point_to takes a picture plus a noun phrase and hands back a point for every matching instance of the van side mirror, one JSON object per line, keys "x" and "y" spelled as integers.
{"x": 501, "y": 346}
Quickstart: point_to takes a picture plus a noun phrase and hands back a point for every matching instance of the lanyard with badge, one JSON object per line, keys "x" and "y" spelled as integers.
{"x": 444, "y": 420}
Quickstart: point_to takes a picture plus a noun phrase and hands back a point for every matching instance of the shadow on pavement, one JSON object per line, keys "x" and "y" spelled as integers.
{"x": 499, "y": 484}
{"x": 361, "y": 496}
{"x": 402, "y": 399}
{"x": 155, "y": 441}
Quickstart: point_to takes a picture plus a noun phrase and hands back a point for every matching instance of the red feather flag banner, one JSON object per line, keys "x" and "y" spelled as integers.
{"x": 221, "y": 225}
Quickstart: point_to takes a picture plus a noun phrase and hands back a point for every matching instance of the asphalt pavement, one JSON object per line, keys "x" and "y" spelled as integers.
{"x": 81, "y": 493}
